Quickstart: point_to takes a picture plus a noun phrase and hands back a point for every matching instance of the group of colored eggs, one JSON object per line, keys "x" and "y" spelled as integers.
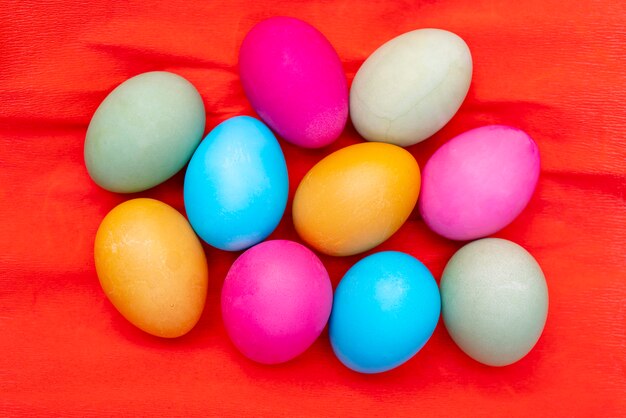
{"x": 277, "y": 296}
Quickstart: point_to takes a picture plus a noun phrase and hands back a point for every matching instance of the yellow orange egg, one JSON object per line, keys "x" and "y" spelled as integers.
{"x": 152, "y": 267}
{"x": 356, "y": 198}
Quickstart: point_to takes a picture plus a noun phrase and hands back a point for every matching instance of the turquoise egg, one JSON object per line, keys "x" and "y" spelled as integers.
{"x": 236, "y": 184}
{"x": 144, "y": 132}
{"x": 385, "y": 309}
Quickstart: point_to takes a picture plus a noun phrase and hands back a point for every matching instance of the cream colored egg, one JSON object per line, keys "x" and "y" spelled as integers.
{"x": 411, "y": 86}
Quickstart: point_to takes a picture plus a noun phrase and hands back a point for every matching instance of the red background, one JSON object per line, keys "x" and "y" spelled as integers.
{"x": 553, "y": 68}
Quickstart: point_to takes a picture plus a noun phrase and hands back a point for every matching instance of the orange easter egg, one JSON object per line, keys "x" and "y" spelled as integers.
{"x": 152, "y": 267}
{"x": 356, "y": 198}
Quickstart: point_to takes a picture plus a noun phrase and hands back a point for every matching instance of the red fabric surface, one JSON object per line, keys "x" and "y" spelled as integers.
{"x": 552, "y": 68}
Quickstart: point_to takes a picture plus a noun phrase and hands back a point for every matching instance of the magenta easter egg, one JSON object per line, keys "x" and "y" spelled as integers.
{"x": 276, "y": 301}
{"x": 479, "y": 182}
{"x": 295, "y": 81}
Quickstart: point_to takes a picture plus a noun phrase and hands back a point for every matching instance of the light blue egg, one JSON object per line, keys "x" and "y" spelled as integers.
{"x": 385, "y": 309}
{"x": 236, "y": 184}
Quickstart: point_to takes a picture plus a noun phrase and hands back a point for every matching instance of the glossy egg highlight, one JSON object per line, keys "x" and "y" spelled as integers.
{"x": 295, "y": 81}
{"x": 386, "y": 307}
{"x": 236, "y": 184}
{"x": 356, "y": 198}
{"x": 479, "y": 182}
{"x": 151, "y": 266}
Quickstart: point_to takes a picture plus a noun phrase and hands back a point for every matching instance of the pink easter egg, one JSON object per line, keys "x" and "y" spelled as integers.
{"x": 294, "y": 80}
{"x": 479, "y": 182}
{"x": 276, "y": 301}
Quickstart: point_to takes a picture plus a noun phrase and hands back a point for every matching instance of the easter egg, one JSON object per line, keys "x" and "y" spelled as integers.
{"x": 236, "y": 184}
{"x": 356, "y": 198}
{"x": 294, "y": 80}
{"x": 276, "y": 300}
{"x": 144, "y": 132}
{"x": 152, "y": 267}
{"x": 494, "y": 301}
{"x": 410, "y": 87}
{"x": 385, "y": 309}
{"x": 479, "y": 182}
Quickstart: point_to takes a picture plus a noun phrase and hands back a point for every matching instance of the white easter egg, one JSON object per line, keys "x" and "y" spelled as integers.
{"x": 411, "y": 86}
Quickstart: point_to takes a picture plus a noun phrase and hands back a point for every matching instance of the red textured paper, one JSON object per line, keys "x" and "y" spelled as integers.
{"x": 553, "y": 68}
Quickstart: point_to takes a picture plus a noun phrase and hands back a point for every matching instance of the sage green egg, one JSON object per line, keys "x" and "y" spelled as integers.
{"x": 494, "y": 301}
{"x": 144, "y": 132}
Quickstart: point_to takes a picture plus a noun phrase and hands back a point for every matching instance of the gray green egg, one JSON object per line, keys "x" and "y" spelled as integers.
{"x": 494, "y": 301}
{"x": 144, "y": 132}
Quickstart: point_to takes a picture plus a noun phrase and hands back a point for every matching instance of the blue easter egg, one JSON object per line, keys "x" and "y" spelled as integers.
{"x": 385, "y": 309}
{"x": 236, "y": 184}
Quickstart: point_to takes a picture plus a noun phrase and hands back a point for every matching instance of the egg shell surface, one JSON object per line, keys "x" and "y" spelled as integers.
{"x": 295, "y": 81}
{"x": 386, "y": 307}
{"x": 356, "y": 198}
{"x": 276, "y": 301}
{"x": 144, "y": 132}
{"x": 494, "y": 301}
{"x": 236, "y": 184}
{"x": 152, "y": 267}
{"x": 411, "y": 86}
{"x": 479, "y": 182}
